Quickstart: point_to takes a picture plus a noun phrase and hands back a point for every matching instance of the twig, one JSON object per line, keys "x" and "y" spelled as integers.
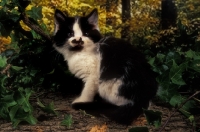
{"x": 180, "y": 106}
{"x": 36, "y": 28}
{"x": 4, "y": 71}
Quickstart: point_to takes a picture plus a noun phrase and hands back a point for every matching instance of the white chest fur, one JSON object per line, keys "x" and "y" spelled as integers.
{"x": 83, "y": 65}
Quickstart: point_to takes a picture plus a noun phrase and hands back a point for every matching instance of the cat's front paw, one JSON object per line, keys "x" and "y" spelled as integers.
{"x": 82, "y": 100}
{"x": 81, "y": 103}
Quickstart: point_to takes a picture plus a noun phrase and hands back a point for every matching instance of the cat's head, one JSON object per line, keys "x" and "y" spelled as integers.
{"x": 76, "y": 33}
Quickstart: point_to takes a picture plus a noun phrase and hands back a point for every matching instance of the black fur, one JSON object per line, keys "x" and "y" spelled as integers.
{"x": 120, "y": 60}
{"x": 65, "y": 30}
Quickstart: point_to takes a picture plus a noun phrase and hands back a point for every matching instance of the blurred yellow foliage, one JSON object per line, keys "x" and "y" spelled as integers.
{"x": 24, "y": 26}
{"x": 144, "y": 21}
{"x": 142, "y": 12}
{"x": 4, "y": 42}
{"x": 70, "y": 7}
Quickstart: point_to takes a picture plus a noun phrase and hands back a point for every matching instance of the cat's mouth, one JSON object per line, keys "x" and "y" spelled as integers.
{"x": 76, "y": 47}
{"x": 79, "y": 45}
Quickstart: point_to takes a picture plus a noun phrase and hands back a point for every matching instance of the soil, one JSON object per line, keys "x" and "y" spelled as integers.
{"x": 84, "y": 122}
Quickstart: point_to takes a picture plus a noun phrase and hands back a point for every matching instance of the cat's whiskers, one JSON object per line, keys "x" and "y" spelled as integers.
{"x": 57, "y": 56}
{"x": 104, "y": 44}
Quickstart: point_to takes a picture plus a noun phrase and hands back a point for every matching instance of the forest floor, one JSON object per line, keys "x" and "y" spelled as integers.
{"x": 83, "y": 122}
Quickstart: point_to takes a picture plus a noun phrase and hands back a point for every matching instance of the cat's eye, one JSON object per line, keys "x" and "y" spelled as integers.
{"x": 70, "y": 34}
{"x": 86, "y": 34}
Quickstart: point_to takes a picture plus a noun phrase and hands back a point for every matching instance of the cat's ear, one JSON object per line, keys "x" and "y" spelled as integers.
{"x": 93, "y": 18}
{"x": 60, "y": 19}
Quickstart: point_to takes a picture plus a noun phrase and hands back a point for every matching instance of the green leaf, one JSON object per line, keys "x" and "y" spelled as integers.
{"x": 153, "y": 117}
{"x": 14, "y": 42}
{"x": 28, "y": 93}
{"x": 14, "y": 15}
{"x": 22, "y": 98}
{"x": 15, "y": 122}
{"x": 195, "y": 65}
{"x": 26, "y": 79}
{"x": 51, "y": 72}
{"x": 3, "y": 80}
{"x": 173, "y": 56}
{"x": 18, "y": 96}
{"x": 191, "y": 118}
{"x": 40, "y": 103}
{"x": 35, "y": 35}
{"x": 35, "y": 13}
{"x": 13, "y": 111}
{"x": 164, "y": 79}
{"x": 4, "y": 111}
{"x": 151, "y": 61}
{"x": 44, "y": 27}
{"x": 166, "y": 89}
{"x": 3, "y": 61}
{"x": 176, "y": 100}
{"x": 68, "y": 121}
{"x": 3, "y": 3}
{"x": 160, "y": 57}
{"x": 138, "y": 129}
{"x": 189, "y": 105}
{"x": 186, "y": 113}
{"x": 48, "y": 108}
{"x": 8, "y": 100}
{"x": 31, "y": 119}
{"x": 33, "y": 72}
{"x": 16, "y": 68}
{"x": 8, "y": 52}
{"x": 175, "y": 73}
{"x": 192, "y": 54}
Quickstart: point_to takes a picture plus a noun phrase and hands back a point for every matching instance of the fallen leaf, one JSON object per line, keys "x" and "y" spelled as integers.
{"x": 140, "y": 121}
{"x": 37, "y": 129}
{"x": 97, "y": 128}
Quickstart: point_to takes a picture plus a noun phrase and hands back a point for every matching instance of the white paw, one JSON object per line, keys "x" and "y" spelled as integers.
{"x": 82, "y": 100}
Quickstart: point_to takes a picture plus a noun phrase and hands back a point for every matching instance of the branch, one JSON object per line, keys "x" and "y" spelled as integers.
{"x": 180, "y": 106}
{"x": 34, "y": 27}
{"x": 5, "y": 70}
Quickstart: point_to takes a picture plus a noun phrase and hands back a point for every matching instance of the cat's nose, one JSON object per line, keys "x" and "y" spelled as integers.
{"x": 78, "y": 41}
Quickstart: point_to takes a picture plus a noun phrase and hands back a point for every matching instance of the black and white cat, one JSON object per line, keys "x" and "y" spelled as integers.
{"x": 108, "y": 66}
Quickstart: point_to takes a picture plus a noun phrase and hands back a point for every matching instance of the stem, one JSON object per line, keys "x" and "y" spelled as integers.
{"x": 34, "y": 27}
{"x": 196, "y": 99}
{"x": 180, "y": 106}
{"x": 4, "y": 71}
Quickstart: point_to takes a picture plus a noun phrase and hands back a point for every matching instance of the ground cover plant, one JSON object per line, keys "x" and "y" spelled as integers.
{"x": 28, "y": 63}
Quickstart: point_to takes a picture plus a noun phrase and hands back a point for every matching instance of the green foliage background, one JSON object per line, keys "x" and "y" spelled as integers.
{"x": 173, "y": 53}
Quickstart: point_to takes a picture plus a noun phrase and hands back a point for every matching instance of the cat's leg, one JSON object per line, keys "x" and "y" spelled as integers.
{"x": 109, "y": 90}
{"x": 89, "y": 91}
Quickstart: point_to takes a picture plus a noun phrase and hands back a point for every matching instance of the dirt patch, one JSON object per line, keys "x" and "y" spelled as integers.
{"x": 84, "y": 122}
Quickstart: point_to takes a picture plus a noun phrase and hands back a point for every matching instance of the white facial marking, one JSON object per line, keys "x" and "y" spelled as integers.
{"x": 77, "y": 30}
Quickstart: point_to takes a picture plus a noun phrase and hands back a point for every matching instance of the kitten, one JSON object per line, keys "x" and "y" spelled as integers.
{"x": 108, "y": 66}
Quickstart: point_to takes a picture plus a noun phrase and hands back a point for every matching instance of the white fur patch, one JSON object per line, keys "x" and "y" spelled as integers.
{"x": 109, "y": 90}
{"x": 77, "y": 30}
